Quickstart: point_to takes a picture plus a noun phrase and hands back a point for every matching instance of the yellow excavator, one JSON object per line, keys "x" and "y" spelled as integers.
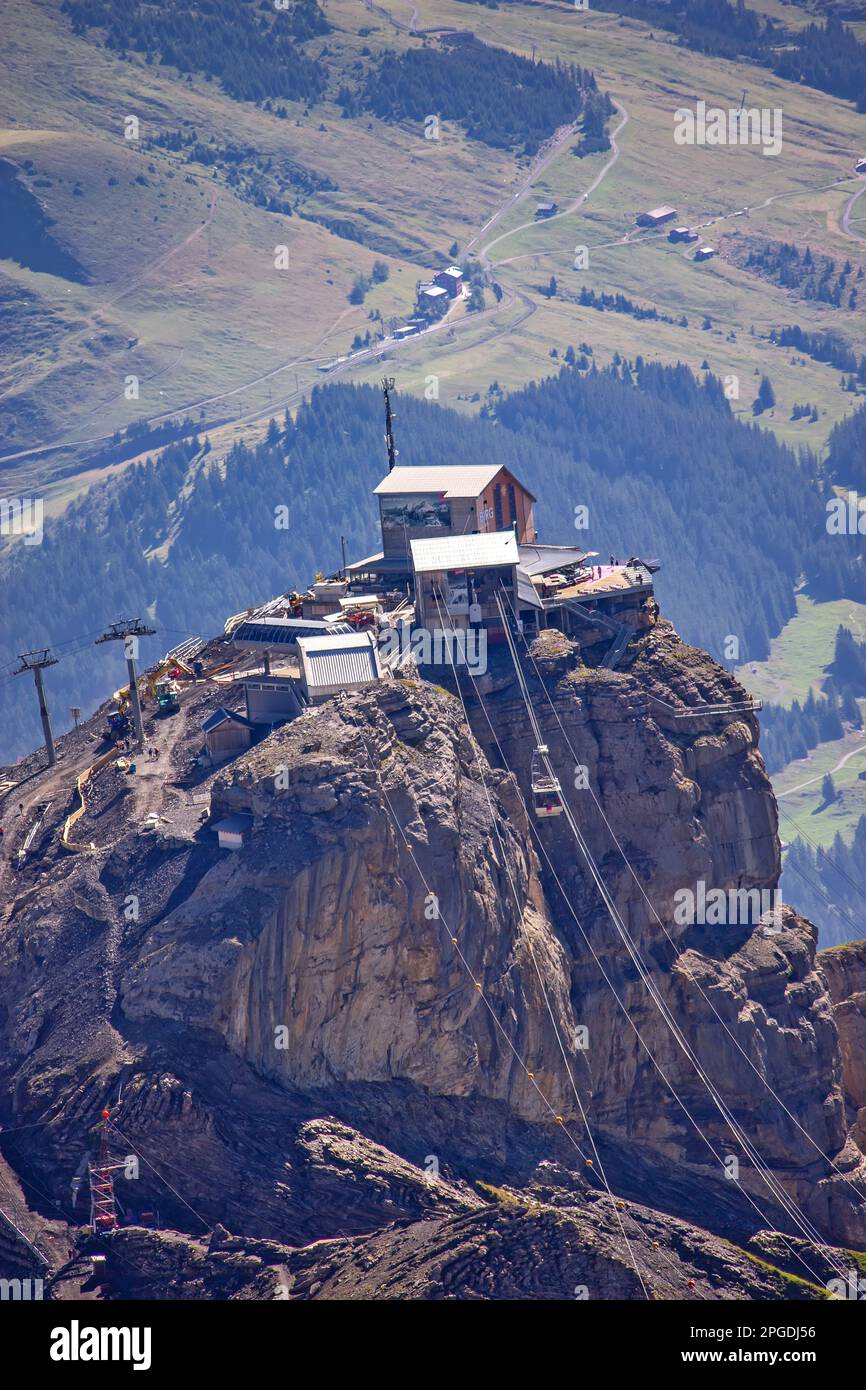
{"x": 159, "y": 684}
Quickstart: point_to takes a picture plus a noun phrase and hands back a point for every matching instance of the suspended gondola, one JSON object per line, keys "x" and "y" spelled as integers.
{"x": 546, "y": 792}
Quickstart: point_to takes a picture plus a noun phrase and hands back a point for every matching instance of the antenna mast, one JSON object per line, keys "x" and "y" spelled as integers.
{"x": 387, "y": 388}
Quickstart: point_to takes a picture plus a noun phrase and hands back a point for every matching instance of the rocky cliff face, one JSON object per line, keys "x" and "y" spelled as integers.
{"x": 402, "y": 983}
{"x": 324, "y": 952}
{"x": 844, "y": 969}
{"x": 669, "y": 804}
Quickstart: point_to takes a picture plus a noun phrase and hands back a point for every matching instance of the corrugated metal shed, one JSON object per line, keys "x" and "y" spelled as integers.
{"x": 339, "y": 662}
{"x": 465, "y": 552}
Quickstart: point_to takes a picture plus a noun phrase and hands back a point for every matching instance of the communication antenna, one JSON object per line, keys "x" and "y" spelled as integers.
{"x": 387, "y": 388}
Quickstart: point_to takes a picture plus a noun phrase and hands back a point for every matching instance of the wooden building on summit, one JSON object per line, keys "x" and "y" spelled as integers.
{"x": 432, "y": 503}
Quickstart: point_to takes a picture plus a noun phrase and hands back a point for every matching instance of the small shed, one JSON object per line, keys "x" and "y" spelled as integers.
{"x": 332, "y": 664}
{"x": 226, "y": 734}
{"x": 232, "y": 831}
{"x": 545, "y": 210}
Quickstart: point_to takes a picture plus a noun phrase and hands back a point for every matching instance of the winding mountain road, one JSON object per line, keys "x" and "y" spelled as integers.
{"x": 557, "y": 145}
{"x": 801, "y": 786}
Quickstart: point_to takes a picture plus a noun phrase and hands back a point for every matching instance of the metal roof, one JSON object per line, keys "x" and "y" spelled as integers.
{"x": 541, "y": 559}
{"x": 236, "y": 823}
{"x": 526, "y": 591}
{"x": 483, "y": 551}
{"x": 452, "y": 480}
{"x": 281, "y": 632}
{"x": 224, "y": 716}
{"x": 379, "y": 564}
{"x": 338, "y": 660}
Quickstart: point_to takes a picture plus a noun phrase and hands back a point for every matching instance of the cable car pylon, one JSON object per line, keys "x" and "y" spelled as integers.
{"x": 103, "y": 1207}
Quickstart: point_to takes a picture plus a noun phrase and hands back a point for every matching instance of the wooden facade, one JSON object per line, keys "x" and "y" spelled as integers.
{"x": 409, "y": 516}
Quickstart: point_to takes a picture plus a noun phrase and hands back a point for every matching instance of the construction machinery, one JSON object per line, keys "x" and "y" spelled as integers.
{"x": 167, "y": 696}
{"x": 118, "y": 724}
{"x": 171, "y": 669}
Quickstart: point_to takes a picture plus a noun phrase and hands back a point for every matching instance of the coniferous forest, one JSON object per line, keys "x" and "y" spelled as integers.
{"x": 827, "y": 54}
{"x": 829, "y": 886}
{"x": 725, "y": 508}
{"x": 235, "y": 41}
{"x": 499, "y": 98}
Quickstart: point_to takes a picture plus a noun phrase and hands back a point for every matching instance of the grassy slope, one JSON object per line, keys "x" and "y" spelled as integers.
{"x": 795, "y": 666}
{"x": 651, "y": 78}
{"x": 217, "y": 314}
{"x": 802, "y": 807}
{"x": 802, "y": 650}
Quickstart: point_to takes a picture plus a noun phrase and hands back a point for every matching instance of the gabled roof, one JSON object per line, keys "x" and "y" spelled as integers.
{"x": 447, "y": 480}
{"x": 483, "y": 551}
{"x": 223, "y": 716}
{"x": 235, "y": 824}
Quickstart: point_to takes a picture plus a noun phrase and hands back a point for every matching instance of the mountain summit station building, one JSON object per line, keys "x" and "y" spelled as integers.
{"x": 432, "y": 503}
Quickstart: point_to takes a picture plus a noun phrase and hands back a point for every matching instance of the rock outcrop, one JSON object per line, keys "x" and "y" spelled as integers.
{"x": 325, "y": 952}
{"x": 844, "y": 969}
{"x": 403, "y": 985}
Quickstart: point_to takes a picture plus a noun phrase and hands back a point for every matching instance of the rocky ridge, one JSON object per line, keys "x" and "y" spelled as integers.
{"x": 302, "y": 1052}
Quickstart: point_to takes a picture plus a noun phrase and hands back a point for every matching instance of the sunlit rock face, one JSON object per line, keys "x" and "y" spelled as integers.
{"x": 399, "y": 930}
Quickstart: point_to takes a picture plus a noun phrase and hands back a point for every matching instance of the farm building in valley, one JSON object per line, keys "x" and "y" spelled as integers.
{"x": 656, "y": 216}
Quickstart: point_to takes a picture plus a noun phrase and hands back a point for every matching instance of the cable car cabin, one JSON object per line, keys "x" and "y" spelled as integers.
{"x": 546, "y": 792}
